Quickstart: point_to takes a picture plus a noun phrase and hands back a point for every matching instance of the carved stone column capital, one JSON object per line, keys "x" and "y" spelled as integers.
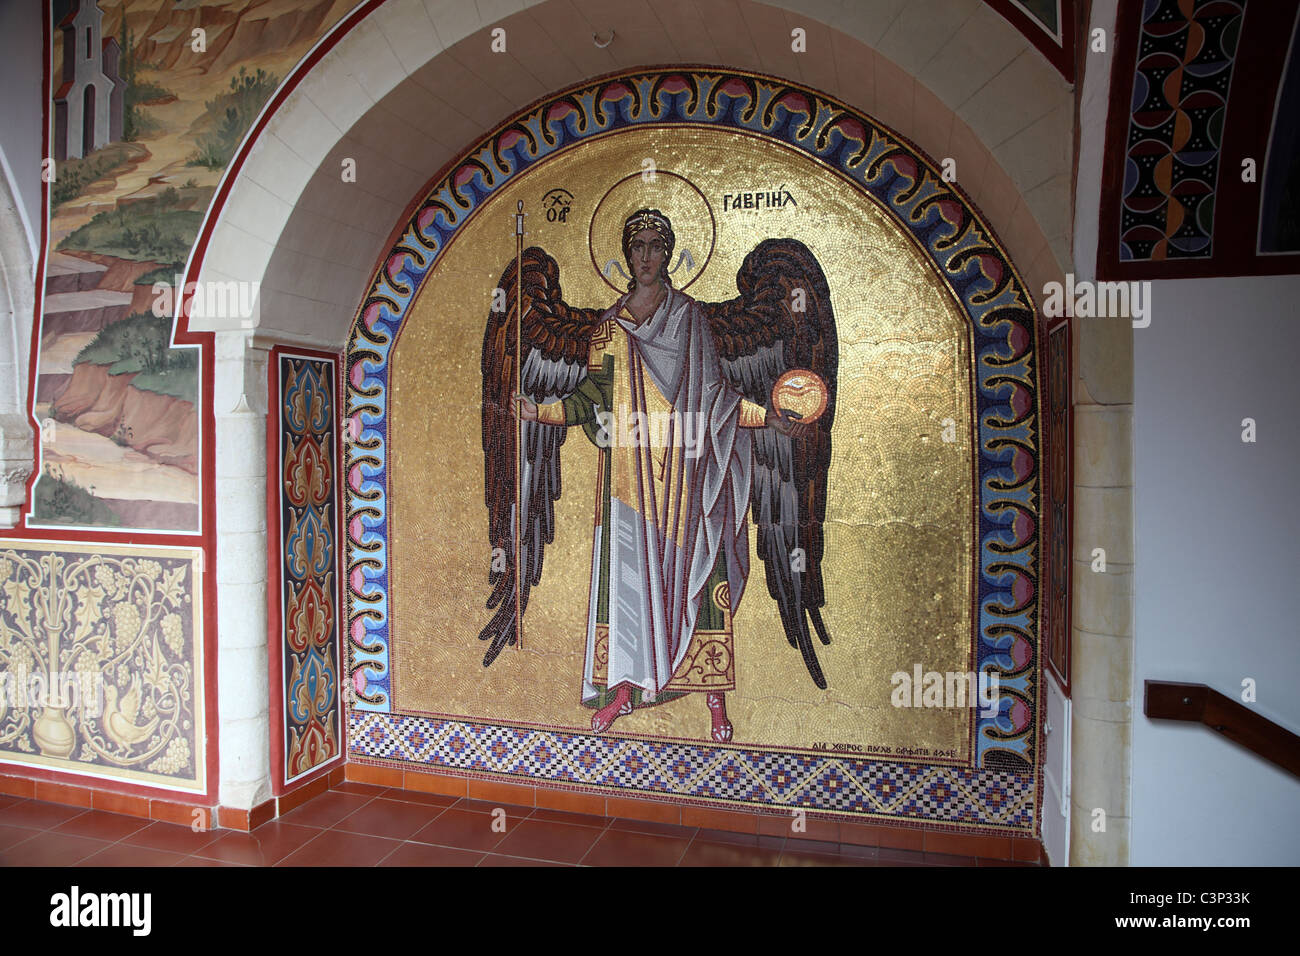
{"x": 17, "y": 459}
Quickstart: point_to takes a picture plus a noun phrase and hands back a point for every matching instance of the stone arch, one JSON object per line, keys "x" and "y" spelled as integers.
{"x": 389, "y": 94}
{"x": 389, "y": 89}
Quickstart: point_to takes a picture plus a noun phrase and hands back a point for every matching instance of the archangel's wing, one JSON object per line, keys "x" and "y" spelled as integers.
{"x": 782, "y": 320}
{"x": 556, "y": 340}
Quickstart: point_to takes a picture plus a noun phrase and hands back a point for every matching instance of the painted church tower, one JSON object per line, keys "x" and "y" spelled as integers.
{"x": 88, "y": 106}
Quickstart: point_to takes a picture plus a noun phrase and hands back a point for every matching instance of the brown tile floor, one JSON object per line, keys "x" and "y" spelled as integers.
{"x": 362, "y": 825}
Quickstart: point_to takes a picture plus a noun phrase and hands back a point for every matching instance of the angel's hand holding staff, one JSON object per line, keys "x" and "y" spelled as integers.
{"x": 524, "y": 409}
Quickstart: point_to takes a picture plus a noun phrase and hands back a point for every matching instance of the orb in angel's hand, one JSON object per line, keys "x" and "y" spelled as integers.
{"x": 799, "y": 398}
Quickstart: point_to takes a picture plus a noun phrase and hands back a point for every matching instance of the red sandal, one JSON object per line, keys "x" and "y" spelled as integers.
{"x": 620, "y": 706}
{"x": 722, "y": 729}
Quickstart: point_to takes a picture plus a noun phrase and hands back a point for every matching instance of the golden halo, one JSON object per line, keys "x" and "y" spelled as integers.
{"x": 677, "y": 198}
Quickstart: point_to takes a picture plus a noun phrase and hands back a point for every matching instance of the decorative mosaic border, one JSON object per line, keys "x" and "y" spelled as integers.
{"x": 887, "y": 169}
{"x": 703, "y": 772}
{"x": 308, "y": 502}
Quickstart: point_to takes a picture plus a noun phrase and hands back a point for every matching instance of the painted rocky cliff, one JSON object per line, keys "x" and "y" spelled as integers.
{"x": 161, "y": 426}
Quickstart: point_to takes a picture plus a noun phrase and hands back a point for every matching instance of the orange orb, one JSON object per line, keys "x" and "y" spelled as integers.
{"x": 802, "y": 392}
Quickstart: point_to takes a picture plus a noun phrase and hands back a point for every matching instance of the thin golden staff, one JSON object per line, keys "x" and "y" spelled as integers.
{"x": 519, "y": 418}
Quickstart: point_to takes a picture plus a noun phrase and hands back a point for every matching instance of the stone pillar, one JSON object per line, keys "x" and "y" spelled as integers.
{"x": 17, "y": 303}
{"x": 243, "y": 710}
{"x": 1101, "y": 660}
{"x": 1102, "y": 620}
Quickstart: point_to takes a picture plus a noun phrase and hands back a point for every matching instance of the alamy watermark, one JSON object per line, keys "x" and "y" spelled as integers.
{"x": 83, "y": 690}
{"x": 207, "y": 300}
{"x": 76, "y": 908}
{"x": 1086, "y": 299}
{"x": 923, "y": 688}
{"x": 652, "y": 429}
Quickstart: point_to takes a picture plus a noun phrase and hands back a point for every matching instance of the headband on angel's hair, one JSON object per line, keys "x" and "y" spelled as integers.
{"x": 648, "y": 219}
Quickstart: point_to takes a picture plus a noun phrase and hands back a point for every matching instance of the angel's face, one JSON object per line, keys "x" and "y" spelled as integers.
{"x": 646, "y": 255}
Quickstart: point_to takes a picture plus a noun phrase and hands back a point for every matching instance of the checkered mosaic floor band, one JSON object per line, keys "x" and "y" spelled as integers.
{"x": 754, "y": 779}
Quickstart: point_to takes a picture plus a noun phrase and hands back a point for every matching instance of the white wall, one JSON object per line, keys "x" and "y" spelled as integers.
{"x": 1217, "y": 587}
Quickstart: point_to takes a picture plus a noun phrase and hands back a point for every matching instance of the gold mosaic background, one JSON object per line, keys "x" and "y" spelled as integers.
{"x": 127, "y": 623}
{"x": 898, "y": 561}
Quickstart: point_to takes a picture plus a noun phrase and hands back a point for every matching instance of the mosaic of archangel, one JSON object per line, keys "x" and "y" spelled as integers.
{"x": 700, "y": 412}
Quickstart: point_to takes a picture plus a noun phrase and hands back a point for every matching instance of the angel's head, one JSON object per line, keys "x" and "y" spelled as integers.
{"x": 648, "y": 242}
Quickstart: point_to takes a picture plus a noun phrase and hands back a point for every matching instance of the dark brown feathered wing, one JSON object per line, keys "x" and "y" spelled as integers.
{"x": 782, "y": 320}
{"x": 556, "y": 340}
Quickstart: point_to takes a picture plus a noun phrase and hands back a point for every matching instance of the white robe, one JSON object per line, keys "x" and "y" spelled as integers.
{"x": 675, "y": 504}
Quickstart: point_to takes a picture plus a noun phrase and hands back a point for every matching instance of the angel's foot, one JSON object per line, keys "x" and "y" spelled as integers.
{"x": 718, "y": 711}
{"x": 619, "y": 706}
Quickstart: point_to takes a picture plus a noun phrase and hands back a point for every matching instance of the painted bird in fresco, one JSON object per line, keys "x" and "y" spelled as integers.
{"x": 119, "y": 718}
{"x": 677, "y": 396}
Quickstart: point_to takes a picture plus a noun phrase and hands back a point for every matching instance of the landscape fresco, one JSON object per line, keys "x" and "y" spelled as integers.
{"x": 118, "y": 406}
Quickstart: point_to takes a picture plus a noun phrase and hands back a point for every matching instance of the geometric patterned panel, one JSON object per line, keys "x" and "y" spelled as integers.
{"x": 1184, "y": 68}
{"x": 309, "y": 629}
{"x": 703, "y": 774}
{"x": 101, "y": 662}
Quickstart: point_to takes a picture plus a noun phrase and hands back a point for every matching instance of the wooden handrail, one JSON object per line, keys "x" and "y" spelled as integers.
{"x": 1197, "y": 703}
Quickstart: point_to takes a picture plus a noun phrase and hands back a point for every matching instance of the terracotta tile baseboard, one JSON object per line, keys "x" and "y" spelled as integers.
{"x": 296, "y": 798}
{"x": 148, "y": 808}
{"x": 195, "y": 816}
{"x": 808, "y": 827}
{"x": 169, "y": 811}
{"x": 801, "y": 826}
{"x": 230, "y": 818}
